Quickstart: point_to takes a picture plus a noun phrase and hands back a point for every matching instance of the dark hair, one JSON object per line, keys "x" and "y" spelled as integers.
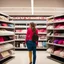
{"x": 33, "y": 26}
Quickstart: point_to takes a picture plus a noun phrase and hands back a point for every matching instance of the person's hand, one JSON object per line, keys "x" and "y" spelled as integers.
{"x": 24, "y": 44}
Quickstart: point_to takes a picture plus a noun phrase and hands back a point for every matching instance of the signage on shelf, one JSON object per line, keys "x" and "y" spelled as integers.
{"x": 29, "y": 18}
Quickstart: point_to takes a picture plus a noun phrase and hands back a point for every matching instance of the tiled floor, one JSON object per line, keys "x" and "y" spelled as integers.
{"x": 21, "y": 57}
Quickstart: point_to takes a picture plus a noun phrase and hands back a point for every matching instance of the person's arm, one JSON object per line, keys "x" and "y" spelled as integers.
{"x": 26, "y": 36}
{"x": 37, "y": 41}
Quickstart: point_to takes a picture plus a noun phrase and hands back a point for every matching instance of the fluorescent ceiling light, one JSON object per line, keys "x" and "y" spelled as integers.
{"x": 32, "y": 6}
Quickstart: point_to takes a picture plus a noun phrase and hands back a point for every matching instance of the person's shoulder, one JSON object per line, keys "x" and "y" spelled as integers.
{"x": 29, "y": 29}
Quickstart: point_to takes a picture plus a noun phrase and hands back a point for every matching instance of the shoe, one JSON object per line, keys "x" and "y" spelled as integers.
{"x": 30, "y": 63}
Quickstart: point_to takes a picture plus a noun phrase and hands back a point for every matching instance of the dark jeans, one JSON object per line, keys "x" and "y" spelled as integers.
{"x": 32, "y": 47}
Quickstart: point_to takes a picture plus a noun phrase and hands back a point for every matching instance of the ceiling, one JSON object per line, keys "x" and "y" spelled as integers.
{"x": 41, "y": 7}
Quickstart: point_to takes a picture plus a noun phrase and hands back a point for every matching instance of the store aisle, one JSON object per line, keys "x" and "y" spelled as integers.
{"x": 21, "y": 57}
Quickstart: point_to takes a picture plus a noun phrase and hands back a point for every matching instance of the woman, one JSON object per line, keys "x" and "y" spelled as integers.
{"x": 30, "y": 44}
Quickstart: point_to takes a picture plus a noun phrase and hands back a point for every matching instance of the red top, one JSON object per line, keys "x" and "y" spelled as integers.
{"x": 30, "y": 34}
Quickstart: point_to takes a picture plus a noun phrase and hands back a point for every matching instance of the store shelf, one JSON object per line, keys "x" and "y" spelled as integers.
{"x": 42, "y": 40}
{"x": 6, "y": 49}
{"x": 4, "y": 14}
{"x": 6, "y": 34}
{"x": 59, "y": 36}
{"x": 50, "y": 35}
{"x": 6, "y": 41}
{"x": 20, "y": 33}
{"x": 6, "y": 57}
{"x": 40, "y": 26}
{"x": 58, "y": 28}
{"x": 42, "y": 33}
{"x": 55, "y": 22}
{"x": 56, "y": 44}
{"x": 21, "y": 26}
{"x": 19, "y": 39}
{"x": 51, "y": 29}
{"x": 56, "y": 55}
{"x": 5, "y": 21}
{"x": 41, "y": 48}
{"x": 20, "y": 48}
{"x": 6, "y": 27}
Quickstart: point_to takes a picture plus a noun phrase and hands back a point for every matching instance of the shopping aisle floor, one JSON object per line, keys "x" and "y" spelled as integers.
{"x": 21, "y": 57}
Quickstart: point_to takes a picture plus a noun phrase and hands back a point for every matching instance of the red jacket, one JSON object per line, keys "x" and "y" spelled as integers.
{"x": 30, "y": 34}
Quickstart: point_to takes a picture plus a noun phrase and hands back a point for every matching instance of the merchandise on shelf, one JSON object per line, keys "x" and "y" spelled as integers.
{"x": 5, "y": 54}
{"x": 3, "y": 18}
{"x": 44, "y": 44}
{"x": 58, "y": 20}
{"x": 50, "y": 50}
{"x": 62, "y": 54}
{"x": 50, "y": 27}
{"x": 59, "y": 41}
{"x": 60, "y": 26}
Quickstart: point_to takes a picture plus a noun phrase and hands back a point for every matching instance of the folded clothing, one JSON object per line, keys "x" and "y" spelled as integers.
{"x": 59, "y": 41}
{"x": 59, "y": 26}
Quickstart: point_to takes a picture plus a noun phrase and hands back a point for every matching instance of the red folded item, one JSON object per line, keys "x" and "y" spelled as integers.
{"x": 1, "y": 39}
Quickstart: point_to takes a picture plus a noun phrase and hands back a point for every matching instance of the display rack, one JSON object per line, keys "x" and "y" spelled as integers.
{"x": 6, "y": 37}
{"x": 55, "y": 36}
{"x": 21, "y": 26}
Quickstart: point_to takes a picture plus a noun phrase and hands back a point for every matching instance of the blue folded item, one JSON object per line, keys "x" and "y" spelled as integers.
{"x": 10, "y": 25}
{"x": 44, "y": 44}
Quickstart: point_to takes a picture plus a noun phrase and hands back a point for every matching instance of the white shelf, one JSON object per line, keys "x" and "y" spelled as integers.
{"x": 58, "y": 28}
{"x": 41, "y": 48}
{"x": 42, "y": 40}
{"x": 6, "y": 34}
{"x": 7, "y": 49}
{"x": 55, "y": 22}
{"x": 56, "y": 44}
{"x": 20, "y": 33}
{"x": 19, "y": 39}
{"x": 6, "y": 41}
{"x": 58, "y": 36}
{"x": 51, "y": 29}
{"x": 6, "y": 57}
{"x": 40, "y": 26}
{"x": 50, "y": 36}
{"x": 21, "y": 26}
{"x": 20, "y": 48}
{"x": 6, "y": 21}
{"x": 7, "y": 27}
{"x": 42, "y": 32}
{"x": 4, "y": 14}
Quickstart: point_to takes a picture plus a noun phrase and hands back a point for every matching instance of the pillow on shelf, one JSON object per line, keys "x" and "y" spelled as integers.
{"x": 57, "y": 52}
{"x": 50, "y": 50}
{"x": 62, "y": 54}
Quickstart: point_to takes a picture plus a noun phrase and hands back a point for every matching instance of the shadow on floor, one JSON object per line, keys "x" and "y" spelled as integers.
{"x": 49, "y": 57}
{"x": 7, "y": 60}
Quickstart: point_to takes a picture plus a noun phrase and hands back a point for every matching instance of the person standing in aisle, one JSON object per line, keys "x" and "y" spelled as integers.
{"x": 31, "y": 43}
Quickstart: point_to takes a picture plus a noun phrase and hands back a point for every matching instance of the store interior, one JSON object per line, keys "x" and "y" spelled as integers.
{"x": 15, "y": 17}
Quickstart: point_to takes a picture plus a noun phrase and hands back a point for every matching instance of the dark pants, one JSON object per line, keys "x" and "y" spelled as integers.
{"x": 32, "y": 47}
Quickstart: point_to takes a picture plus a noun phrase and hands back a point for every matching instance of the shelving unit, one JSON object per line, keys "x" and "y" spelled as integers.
{"x": 6, "y": 37}
{"x": 55, "y": 36}
{"x": 21, "y": 26}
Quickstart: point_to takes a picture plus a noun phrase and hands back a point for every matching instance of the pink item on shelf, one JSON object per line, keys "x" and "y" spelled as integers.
{"x": 42, "y": 30}
{"x": 60, "y": 42}
{"x": 57, "y": 52}
{"x": 1, "y": 39}
{"x": 18, "y": 30}
{"x": 4, "y": 24}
